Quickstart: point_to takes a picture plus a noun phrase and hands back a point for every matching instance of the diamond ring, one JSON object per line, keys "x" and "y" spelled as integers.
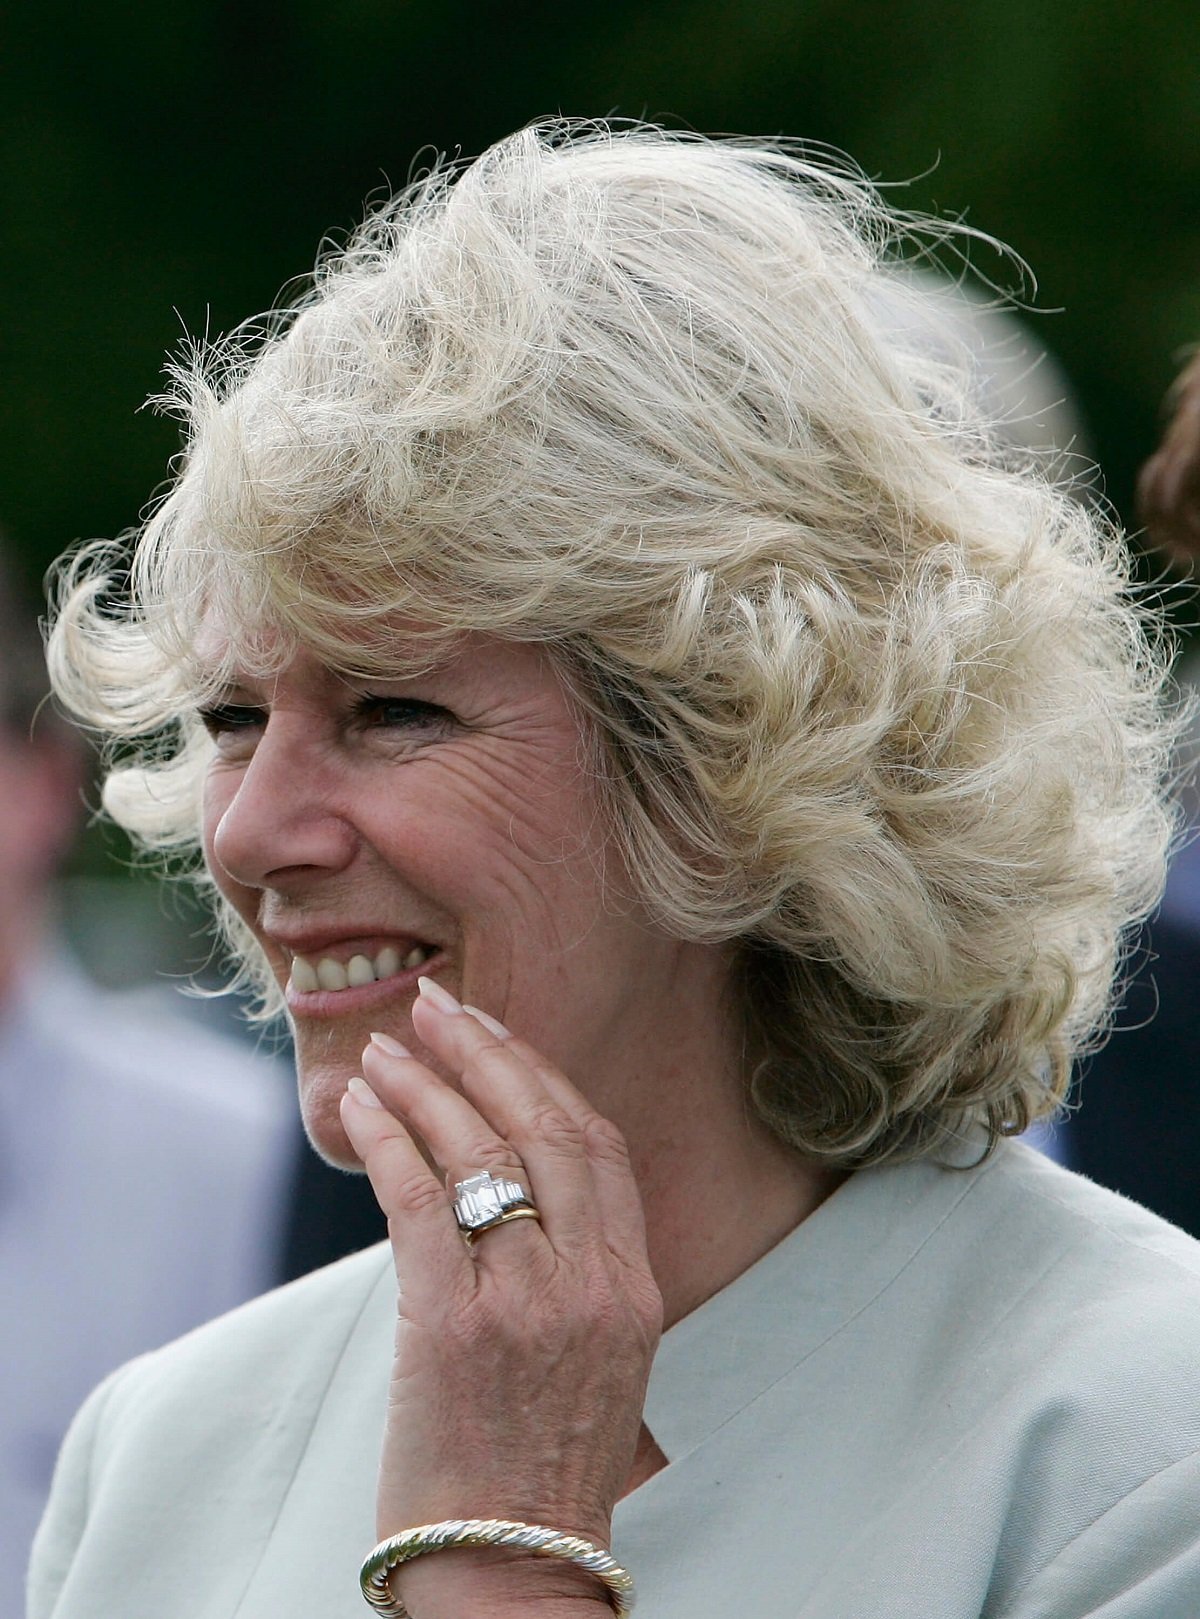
{"x": 486, "y": 1200}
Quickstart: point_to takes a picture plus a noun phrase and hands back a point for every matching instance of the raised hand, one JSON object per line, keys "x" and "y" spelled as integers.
{"x": 521, "y": 1362}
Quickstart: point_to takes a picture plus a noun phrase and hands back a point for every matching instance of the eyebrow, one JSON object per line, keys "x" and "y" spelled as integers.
{"x": 232, "y": 694}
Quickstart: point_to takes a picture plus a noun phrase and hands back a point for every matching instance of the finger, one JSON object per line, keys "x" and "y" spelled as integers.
{"x": 462, "y": 1142}
{"x": 460, "y": 1139}
{"x": 509, "y": 1091}
{"x": 615, "y": 1199}
{"x": 618, "y": 1196}
{"x": 427, "y": 1247}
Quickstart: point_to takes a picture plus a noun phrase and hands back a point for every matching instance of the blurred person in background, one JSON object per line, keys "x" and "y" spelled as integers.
{"x": 689, "y": 785}
{"x": 1134, "y": 1123}
{"x": 1169, "y": 486}
{"x": 1138, "y": 1128}
{"x": 143, "y": 1159}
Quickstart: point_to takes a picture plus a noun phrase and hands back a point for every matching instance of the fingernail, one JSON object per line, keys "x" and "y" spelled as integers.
{"x": 362, "y": 1092}
{"x": 392, "y": 1047}
{"x": 491, "y": 1024}
{"x": 437, "y": 996}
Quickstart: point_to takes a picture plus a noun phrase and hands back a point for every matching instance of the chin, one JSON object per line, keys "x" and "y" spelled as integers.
{"x": 320, "y": 1113}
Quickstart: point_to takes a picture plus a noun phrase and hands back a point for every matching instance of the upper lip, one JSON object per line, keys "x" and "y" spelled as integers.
{"x": 311, "y": 942}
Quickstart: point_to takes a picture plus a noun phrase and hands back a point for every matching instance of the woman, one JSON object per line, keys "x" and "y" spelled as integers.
{"x": 665, "y": 760}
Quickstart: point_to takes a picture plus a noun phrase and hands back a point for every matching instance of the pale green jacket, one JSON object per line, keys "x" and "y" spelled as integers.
{"x": 949, "y": 1394}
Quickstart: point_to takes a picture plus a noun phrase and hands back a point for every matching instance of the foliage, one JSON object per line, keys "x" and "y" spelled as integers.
{"x": 170, "y": 167}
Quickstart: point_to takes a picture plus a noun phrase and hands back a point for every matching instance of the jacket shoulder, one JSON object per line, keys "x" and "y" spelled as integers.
{"x": 220, "y": 1418}
{"x": 305, "y": 1321}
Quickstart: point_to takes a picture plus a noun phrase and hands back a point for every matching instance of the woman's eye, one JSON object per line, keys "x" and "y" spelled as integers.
{"x": 223, "y": 718}
{"x": 398, "y": 713}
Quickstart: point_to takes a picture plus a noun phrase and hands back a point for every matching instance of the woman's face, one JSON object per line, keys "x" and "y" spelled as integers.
{"x": 445, "y": 824}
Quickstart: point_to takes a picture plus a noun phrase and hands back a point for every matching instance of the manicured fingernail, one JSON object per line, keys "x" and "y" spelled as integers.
{"x": 437, "y": 996}
{"x": 392, "y": 1047}
{"x": 491, "y": 1024}
{"x": 362, "y": 1092}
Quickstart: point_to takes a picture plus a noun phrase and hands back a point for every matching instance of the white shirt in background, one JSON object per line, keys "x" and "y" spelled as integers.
{"x": 143, "y": 1168}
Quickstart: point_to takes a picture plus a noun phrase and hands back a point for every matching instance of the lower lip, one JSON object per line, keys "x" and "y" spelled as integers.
{"x": 332, "y": 1003}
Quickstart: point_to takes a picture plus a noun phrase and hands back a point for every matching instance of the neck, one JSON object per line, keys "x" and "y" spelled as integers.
{"x": 711, "y": 1212}
{"x": 710, "y": 1216}
{"x": 718, "y": 1189}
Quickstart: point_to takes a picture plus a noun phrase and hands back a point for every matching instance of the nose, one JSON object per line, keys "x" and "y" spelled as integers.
{"x": 278, "y": 820}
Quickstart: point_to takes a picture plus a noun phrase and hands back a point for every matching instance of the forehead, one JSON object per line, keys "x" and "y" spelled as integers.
{"x": 364, "y": 646}
{"x": 469, "y": 661}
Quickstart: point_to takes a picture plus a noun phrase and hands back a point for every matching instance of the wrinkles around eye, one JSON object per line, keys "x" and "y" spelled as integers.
{"x": 399, "y": 713}
{"x": 221, "y": 718}
{"x": 234, "y": 726}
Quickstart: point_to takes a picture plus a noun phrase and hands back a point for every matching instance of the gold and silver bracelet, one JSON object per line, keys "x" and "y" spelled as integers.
{"x": 528, "y": 1537}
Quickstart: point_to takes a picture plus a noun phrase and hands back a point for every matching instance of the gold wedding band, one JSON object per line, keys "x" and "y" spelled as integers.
{"x": 522, "y": 1213}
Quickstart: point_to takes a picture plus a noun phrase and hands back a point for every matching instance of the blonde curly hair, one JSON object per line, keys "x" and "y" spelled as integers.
{"x": 872, "y": 704}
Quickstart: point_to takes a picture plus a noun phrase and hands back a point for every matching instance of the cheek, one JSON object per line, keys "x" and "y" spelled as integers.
{"x": 466, "y": 826}
{"x": 528, "y": 915}
{"x": 514, "y": 857}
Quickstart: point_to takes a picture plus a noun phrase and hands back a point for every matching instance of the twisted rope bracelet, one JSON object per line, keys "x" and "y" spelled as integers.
{"x": 530, "y": 1537}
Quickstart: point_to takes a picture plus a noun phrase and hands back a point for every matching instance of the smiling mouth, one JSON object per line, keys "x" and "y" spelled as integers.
{"x": 328, "y": 974}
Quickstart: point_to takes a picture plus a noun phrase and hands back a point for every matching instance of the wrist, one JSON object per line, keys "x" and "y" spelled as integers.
{"x": 497, "y": 1564}
{"x": 498, "y": 1581}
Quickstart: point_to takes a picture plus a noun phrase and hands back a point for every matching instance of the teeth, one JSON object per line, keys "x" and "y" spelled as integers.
{"x": 359, "y": 970}
{"x": 304, "y": 977}
{"x": 331, "y": 974}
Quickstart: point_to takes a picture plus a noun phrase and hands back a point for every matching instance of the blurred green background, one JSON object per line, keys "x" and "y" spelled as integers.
{"x": 169, "y": 167}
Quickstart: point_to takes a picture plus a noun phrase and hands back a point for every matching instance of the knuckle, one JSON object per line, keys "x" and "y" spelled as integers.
{"x": 415, "y": 1193}
{"x": 605, "y": 1143}
{"x": 488, "y": 1320}
{"x": 474, "y": 1324}
{"x": 623, "y": 1325}
{"x": 554, "y": 1128}
{"x": 491, "y": 1059}
{"x": 647, "y": 1303}
{"x": 495, "y": 1155}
